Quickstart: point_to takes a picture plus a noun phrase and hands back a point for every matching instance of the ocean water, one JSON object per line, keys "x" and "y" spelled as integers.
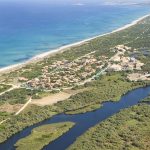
{"x": 28, "y": 30}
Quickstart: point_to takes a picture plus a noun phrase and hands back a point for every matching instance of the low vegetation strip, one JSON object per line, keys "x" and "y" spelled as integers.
{"x": 43, "y": 135}
{"x": 146, "y": 100}
{"x": 129, "y": 129}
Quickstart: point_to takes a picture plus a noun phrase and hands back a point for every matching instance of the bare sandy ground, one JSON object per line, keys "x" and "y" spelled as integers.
{"x": 10, "y": 108}
{"x": 52, "y": 99}
{"x": 138, "y": 76}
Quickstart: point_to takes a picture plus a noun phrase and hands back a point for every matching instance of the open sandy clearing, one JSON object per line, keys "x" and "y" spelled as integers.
{"x": 51, "y": 99}
{"x": 138, "y": 76}
{"x": 10, "y": 108}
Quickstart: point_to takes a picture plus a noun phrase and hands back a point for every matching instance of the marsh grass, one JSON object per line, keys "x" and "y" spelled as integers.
{"x": 43, "y": 135}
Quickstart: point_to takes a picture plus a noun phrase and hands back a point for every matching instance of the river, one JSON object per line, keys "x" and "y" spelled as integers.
{"x": 83, "y": 121}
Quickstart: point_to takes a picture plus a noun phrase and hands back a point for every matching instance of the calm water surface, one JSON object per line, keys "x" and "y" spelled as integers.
{"x": 27, "y": 30}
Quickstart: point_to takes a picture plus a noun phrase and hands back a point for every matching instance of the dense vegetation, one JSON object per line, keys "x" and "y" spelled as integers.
{"x": 108, "y": 87}
{"x": 22, "y": 95}
{"x": 129, "y": 129}
{"x": 4, "y": 115}
{"x": 16, "y": 96}
{"x": 4, "y": 87}
{"x": 32, "y": 115}
{"x": 43, "y": 135}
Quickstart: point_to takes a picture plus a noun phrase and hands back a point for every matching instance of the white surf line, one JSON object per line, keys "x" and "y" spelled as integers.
{"x": 26, "y": 104}
{"x": 46, "y": 54}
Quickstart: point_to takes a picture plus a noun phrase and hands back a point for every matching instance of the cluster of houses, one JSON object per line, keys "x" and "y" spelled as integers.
{"x": 64, "y": 73}
{"x": 121, "y": 63}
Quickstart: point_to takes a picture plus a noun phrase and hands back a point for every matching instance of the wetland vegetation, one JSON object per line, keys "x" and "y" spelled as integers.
{"x": 128, "y": 129}
{"x": 43, "y": 135}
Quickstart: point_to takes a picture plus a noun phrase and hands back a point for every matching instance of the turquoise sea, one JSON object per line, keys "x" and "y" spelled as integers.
{"x": 28, "y": 30}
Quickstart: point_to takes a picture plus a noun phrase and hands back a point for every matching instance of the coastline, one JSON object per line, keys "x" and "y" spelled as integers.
{"x": 63, "y": 48}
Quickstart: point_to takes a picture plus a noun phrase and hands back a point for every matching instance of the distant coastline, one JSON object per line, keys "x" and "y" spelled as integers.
{"x": 63, "y": 48}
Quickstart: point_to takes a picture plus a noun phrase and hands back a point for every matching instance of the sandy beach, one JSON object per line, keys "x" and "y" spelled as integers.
{"x": 60, "y": 49}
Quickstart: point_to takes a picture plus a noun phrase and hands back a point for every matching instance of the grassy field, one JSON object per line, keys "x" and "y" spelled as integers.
{"x": 43, "y": 135}
{"x": 127, "y": 130}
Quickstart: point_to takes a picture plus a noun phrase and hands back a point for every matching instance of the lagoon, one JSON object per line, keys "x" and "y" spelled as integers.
{"x": 83, "y": 121}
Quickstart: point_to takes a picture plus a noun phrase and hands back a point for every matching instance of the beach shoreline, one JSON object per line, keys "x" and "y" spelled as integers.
{"x": 41, "y": 56}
